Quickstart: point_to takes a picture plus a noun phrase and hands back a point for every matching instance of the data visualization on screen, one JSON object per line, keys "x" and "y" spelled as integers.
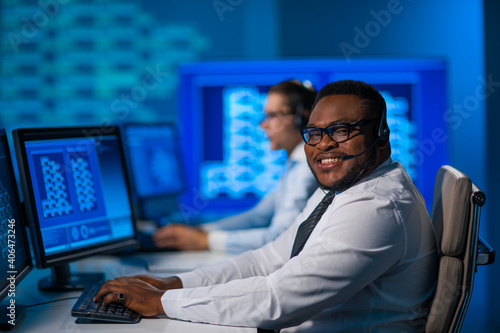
{"x": 71, "y": 193}
{"x": 78, "y": 198}
{"x": 152, "y": 150}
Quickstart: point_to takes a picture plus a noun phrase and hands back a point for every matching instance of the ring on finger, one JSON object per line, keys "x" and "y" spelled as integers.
{"x": 121, "y": 298}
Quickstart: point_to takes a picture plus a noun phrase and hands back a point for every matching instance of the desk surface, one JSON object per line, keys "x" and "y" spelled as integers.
{"x": 56, "y": 317}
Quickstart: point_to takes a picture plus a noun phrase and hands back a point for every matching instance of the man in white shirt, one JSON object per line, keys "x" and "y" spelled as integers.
{"x": 369, "y": 264}
{"x": 287, "y": 109}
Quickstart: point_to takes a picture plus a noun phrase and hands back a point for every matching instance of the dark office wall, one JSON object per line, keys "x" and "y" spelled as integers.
{"x": 449, "y": 29}
{"x": 492, "y": 56}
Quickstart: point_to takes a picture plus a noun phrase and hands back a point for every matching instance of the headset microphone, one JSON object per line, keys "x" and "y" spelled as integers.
{"x": 350, "y": 157}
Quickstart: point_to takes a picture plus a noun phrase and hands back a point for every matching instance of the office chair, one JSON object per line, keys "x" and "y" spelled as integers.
{"x": 455, "y": 215}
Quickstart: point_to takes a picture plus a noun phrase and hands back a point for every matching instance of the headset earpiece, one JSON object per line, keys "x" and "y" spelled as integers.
{"x": 383, "y": 129}
{"x": 299, "y": 119}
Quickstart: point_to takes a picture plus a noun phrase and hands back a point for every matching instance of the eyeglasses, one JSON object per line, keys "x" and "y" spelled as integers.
{"x": 337, "y": 132}
{"x": 274, "y": 114}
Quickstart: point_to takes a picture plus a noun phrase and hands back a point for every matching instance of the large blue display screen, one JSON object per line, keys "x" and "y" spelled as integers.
{"x": 226, "y": 155}
{"x": 80, "y": 192}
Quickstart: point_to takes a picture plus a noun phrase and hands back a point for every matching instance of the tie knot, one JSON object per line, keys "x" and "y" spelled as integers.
{"x": 328, "y": 198}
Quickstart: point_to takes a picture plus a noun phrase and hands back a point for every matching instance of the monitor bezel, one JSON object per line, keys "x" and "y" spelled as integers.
{"x": 42, "y": 259}
{"x": 26, "y": 266}
{"x": 128, "y": 156}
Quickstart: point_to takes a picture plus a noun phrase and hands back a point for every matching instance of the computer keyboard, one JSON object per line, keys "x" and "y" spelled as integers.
{"x": 85, "y": 307}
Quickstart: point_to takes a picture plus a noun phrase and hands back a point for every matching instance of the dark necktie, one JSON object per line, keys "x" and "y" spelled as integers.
{"x": 308, "y": 225}
{"x": 304, "y": 232}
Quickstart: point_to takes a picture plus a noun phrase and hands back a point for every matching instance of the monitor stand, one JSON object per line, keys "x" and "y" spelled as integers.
{"x": 61, "y": 279}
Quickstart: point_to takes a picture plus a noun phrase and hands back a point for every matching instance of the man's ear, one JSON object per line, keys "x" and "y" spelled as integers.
{"x": 382, "y": 143}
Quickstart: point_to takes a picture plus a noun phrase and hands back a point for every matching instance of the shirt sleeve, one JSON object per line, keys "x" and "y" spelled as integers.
{"x": 217, "y": 240}
{"x": 273, "y": 215}
{"x": 262, "y": 261}
{"x": 258, "y": 216}
{"x": 264, "y": 288}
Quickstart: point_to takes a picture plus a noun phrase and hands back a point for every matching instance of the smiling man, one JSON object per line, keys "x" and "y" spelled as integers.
{"x": 361, "y": 257}
{"x": 353, "y": 126}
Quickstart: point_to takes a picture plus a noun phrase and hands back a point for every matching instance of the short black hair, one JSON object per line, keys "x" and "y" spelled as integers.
{"x": 364, "y": 91}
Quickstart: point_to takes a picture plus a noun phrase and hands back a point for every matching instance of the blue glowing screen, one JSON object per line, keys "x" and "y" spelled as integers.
{"x": 238, "y": 160}
{"x": 80, "y": 192}
{"x": 152, "y": 151}
{"x": 227, "y": 158}
{"x": 14, "y": 250}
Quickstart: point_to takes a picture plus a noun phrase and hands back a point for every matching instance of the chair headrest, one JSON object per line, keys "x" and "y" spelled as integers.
{"x": 451, "y": 210}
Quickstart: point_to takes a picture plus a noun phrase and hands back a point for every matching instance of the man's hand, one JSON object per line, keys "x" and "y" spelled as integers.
{"x": 140, "y": 295}
{"x": 161, "y": 283}
{"x": 181, "y": 237}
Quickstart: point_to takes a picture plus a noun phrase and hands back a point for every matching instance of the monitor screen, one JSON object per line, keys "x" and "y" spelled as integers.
{"x": 15, "y": 254}
{"x": 226, "y": 156}
{"x": 237, "y": 163}
{"x": 76, "y": 192}
{"x": 152, "y": 151}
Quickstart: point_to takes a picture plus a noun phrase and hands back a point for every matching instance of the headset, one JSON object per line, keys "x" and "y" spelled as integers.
{"x": 383, "y": 128}
{"x": 299, "y": 119}
{"x": 383, "y": 137}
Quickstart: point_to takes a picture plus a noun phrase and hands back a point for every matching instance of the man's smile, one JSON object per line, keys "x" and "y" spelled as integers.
{"x": 327, "y": 161}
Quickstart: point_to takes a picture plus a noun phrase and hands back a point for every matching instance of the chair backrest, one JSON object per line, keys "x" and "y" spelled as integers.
{"x": 455, "y": 215}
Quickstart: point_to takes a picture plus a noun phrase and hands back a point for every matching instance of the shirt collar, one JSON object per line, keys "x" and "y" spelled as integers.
{"x": 374, "y": 172}
{"x": 298, "y": 154}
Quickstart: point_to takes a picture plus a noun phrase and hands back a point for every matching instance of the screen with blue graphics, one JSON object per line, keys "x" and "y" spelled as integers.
{"x": 79, "y": 192}
{"x": 227, "y": 157}
{"x": 152, "y": 150}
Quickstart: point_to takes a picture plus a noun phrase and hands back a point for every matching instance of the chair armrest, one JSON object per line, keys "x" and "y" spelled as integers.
{"x": 485, "y": 254}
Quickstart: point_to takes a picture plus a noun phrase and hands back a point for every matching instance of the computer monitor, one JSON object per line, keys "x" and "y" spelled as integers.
{"x": 77, "y": 197}
{"x": 226, "y": 156}
{"x": 153, "y": 156}
{"x": 15, "y": 261}
{"x": 152, "y": 151}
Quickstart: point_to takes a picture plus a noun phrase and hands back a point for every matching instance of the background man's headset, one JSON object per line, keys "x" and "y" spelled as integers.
{"x": 300, "y": 119}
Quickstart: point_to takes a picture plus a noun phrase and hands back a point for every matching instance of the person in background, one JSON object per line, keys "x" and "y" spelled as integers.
{"x": 286, "y": 110}
{"x": 361, "y": 257}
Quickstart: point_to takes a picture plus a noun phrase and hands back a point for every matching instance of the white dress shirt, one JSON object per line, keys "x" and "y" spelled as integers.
{"x": 274, "y": 213}
{"x": 369, "y": 266}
